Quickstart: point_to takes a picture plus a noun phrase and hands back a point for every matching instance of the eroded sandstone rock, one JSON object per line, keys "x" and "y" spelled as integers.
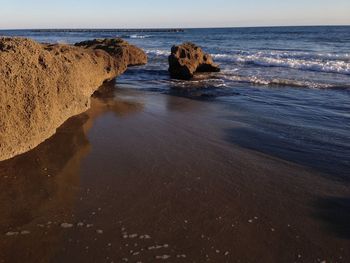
{"x": 42, "y": 85}
{"x": 187, "y": 59}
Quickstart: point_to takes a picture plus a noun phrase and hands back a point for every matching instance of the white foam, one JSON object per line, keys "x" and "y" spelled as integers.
{"x": 140, "y": 36}
{"x": 158, "y": 52}
{"x": 286, "y": 54}
{"x": 258, "y": 80}
{"x": 329, "y": 67}
{"x": 321, "y": 62}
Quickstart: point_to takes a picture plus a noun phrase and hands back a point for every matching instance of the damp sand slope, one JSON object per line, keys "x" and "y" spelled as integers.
{"x": 145, "y": 177}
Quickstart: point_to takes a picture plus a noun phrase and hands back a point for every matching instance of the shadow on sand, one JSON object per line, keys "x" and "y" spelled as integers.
{"x": 313, "y": 156}
{"x": 335, "y": 213}
{"x": 40, "y": 189}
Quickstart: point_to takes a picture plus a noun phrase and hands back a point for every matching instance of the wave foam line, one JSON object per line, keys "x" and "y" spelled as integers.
{"x": 283, "y": 82}
{"x": 258, "y": 59}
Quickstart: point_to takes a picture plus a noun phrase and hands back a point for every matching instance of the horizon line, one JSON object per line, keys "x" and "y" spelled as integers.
{"x": 138, "y": 28}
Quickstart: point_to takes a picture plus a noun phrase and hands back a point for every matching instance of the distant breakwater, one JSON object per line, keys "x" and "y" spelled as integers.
{"x": 148, "y": 30}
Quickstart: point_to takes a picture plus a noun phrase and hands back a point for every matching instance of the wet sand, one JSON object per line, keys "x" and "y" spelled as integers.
{"x": 147, "y": 177}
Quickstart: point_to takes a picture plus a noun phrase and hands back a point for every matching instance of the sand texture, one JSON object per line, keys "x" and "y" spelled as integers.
{"x": 42, "y": 85}
{"x": 148, "y": 177}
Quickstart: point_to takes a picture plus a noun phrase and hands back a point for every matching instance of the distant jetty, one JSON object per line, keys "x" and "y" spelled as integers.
{"x": 146, "y": 30}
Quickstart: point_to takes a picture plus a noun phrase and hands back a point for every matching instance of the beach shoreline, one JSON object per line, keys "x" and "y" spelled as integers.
{"x": 249, "y": 164}
{"x": 150, "y": 176}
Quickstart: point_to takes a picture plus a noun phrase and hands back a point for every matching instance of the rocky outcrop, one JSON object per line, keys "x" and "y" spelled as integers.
{"x": 126, "y": 54}
{"x": 42, "y": 85}
{"x": 187, "y": 59}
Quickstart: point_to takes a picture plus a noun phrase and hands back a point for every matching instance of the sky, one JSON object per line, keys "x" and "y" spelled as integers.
{"x": 16, "y": 14}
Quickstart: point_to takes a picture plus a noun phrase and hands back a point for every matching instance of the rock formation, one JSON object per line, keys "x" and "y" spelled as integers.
{"x": 42, "y": 85}
{"x": 187, "y": 59}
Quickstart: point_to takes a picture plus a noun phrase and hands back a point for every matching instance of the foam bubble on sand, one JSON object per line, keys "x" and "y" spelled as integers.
{"x": 181, "y": 256}
{"x": 25, "y": 232}
{"x": 66, "y": 225}
{"x": 163, "y": 257}
{"x": 158, "y": 247}
{"x": 99, "y": 231}
{"x": 12, "y": 233}
{"x": 145, "y": 237}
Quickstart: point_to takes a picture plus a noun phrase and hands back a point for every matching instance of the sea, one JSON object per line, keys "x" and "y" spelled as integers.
{"x": 289, "y": 87}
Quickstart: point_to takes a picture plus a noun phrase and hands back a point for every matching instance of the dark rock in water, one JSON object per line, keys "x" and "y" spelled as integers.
{"x": 187, "y": 59}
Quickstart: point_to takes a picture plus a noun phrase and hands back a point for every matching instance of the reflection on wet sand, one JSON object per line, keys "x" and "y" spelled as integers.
{"x": 335, "y": 212}
{"x": 106, "y": 100}
{"x": 39, "y": 189}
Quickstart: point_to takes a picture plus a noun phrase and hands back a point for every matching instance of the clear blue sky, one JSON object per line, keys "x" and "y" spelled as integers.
{"x": 165, "y": 13}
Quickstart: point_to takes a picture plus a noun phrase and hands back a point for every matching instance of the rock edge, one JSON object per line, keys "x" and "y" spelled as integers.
{"x": 187, "y": 59}
{"x": 42, "y": 85}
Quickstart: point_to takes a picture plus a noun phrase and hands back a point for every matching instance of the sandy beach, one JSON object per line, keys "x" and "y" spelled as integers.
{"x": 148, "y": 177}
{"x": 176, "y": 132}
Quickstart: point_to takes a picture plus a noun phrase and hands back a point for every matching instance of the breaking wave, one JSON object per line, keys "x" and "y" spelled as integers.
{"x": 327, "y": 63}
{"x": 257, "y": 80}
{"x": 158, "y": 52}
{"x": 136, "y": 36}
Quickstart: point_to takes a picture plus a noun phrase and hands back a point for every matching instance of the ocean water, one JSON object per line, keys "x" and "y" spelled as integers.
{"x": 288, "y": 87}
